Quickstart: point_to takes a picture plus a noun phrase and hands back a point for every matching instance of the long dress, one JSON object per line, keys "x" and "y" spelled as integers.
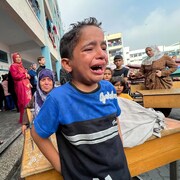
{"x": 22, "y": 87}
{"x": 166, "y": 65}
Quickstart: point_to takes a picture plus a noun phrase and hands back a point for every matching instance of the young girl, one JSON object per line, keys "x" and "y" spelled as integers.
{"x": 120, "y": 86}
{"x": 108, "y": 74}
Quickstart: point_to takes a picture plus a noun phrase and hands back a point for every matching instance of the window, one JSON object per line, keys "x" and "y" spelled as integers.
{"x": 3, "y": 57}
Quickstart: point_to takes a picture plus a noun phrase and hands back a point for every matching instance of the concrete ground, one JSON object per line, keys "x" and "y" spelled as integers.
{"x": 175, "y": 114}
{"x": 11, "y": 149}
{"x": 9, "y": 128}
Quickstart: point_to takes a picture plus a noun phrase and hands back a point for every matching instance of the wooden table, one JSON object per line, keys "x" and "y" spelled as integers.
{"x": 176, "y": 84}
{"x": 136, "y": 87}
{"x": 161, "y": 98}
{"x": 140, "y": 86}
{"x": 155, "y": 152}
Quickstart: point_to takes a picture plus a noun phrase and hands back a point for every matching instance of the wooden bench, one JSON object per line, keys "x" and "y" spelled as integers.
{"x": 155, "y": 152}
{"x": 34, "y": 164}
{"x": 161, "y": 98}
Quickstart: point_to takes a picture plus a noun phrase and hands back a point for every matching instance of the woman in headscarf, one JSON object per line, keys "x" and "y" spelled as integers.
{"x": 45, "y": 84}
{"x": 156, "y": 69}
{"x": 22, "y": 84}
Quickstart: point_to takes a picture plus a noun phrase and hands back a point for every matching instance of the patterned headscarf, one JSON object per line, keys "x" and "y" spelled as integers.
{"x": 157, "y": 55}
{"x": 39, "y": 95}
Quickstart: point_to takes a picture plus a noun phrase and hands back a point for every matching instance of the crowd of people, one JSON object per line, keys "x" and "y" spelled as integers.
{"x": 155, "y": 69}
{"x": 84, "y": 111}
{"x": 19, "y": 85}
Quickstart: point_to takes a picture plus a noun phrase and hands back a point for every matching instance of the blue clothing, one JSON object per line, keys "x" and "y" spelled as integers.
{"x": 86, "y": 131}
{"x": 10, "y": 102}
{"x": 33, "y": 80}
{"x": 33, "y": 75}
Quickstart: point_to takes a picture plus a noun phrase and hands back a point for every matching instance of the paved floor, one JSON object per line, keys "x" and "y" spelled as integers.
{"x": 11, "y": 149}
{"x": 9, "y": 128}
{"x": 161, "y": 173}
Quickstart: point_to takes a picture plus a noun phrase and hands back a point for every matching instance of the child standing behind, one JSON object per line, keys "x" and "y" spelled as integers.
{"x": 108, "y": 74}
{"x": 120, "y": 70}
{"x": 120, "y": 86}
{"x": 83, "y": 112}
{"x": 41, "y": 61}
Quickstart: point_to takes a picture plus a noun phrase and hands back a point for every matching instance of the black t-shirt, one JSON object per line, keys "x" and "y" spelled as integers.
{"x": 87, "y": 136}
{"x": 121, "y": 72}
{"x": 39, "y": 69}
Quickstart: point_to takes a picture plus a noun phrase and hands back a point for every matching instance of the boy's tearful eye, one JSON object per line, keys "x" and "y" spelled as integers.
{"x": 88, "y": 49}
{"x": 104, "y": 48}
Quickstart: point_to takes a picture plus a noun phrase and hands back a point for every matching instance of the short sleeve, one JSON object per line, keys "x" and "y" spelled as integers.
{"x": 126, "y": 72}
{"x": 46, "y": 122}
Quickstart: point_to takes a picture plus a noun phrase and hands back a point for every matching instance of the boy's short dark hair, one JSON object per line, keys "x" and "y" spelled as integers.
{"x": 39, "y": 58}
{"x": 71, "y": 38}
{"x": 118, "y": 57}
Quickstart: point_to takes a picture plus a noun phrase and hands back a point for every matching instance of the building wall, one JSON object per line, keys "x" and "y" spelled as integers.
{"x": 136, "y": 56}
{"x": 126, "y": 55}
{"x": 25, "y": 31}
{"x": 4, "y": 66}
{"x": 114, "y": 46}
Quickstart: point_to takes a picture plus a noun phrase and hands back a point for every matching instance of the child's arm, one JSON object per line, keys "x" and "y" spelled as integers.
{"x": 48, "y": 149}
{"x": 119, "y": 129}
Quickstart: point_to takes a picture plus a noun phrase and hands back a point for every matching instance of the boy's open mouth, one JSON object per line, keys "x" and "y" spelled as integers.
{"x": 96, "y": 68}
